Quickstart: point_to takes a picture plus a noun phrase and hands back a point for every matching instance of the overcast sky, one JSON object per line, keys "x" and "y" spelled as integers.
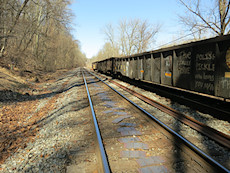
{"x": 91, "y": 16}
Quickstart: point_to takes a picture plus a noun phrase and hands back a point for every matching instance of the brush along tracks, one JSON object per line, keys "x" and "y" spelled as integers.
{"x": 136, "y": 141}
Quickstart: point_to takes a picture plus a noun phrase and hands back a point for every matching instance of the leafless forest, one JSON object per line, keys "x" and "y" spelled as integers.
{"x": 35, "y": 35}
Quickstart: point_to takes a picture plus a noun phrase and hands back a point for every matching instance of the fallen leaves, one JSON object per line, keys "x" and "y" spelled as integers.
{"x": 19, "y": 125}
{"x": 20, "y": 122}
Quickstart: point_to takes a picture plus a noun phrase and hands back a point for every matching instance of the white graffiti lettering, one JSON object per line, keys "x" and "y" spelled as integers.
{"x": 207, "y": 56}
{"x": 205, "y": 67}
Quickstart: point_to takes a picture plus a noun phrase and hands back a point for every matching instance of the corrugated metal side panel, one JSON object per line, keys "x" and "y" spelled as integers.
{"x": 131, "y": 68}
{"x": 147, "y": 68}
{"x": 104, "y": 66}
{"x": 115, "y": 66}
{"x": 156, "y": 68}
{"x": 140, "y": 69}
{"x": 166, "y": 68}
{"x": 118, "y": 66}
{"x": 99, "y": 66}
{"x": 135, "y": 68}
{"x": 109, "y": 65}
{"x": 127, "y": 67}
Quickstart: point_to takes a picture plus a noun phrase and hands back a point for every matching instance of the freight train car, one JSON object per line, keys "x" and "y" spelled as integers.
{"x": 94, "y": 66}
{"x": 202, "y": 66}
{"x": 105, "y": 66}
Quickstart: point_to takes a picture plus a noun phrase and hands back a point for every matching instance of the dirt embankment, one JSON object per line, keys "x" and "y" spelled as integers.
{"x": 17, "y": 86}
{"x": 19, "y": 98}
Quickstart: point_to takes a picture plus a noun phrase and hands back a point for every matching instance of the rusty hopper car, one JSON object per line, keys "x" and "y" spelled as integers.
{"x": 202, "y": 66}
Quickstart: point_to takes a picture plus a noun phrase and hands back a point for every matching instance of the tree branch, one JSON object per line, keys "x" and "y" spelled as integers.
{"x": 199, "y": 15}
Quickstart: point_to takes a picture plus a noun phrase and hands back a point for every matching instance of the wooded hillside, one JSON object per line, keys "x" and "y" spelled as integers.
{"x": 35, "y": 35}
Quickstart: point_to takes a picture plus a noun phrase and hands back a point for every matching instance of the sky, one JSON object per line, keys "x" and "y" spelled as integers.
{"x": 91, "y": 16}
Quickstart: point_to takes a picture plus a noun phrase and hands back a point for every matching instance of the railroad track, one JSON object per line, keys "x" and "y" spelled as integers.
{"x": 202, "y": 128}
{"x": 211, "y": 105}
{"x": 101, "y": 154}
{"x": 213, "y": 134}
{"x": 134, "y": 140}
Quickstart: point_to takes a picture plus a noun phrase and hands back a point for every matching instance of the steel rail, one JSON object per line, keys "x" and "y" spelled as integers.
{"x": 200, "y": 105}
{"x": 218, "y": 167}
{"x": 105, "y": 164}
{"x": 212, "y": 133}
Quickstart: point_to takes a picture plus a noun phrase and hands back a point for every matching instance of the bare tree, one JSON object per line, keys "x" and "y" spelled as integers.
{"x": 145, "y": 36}
{"x": 110, "y": 35}
{"x": 202, "y": 16}
{"x": 128, "y": 36}
{"x": 15, "y": 21}
{"x": 134, "y": 36}
{"x": 111, "y": 47}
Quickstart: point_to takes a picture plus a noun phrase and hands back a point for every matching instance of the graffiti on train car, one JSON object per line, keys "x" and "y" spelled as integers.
{"x": 205, "y": 68}
{"x": 182, "y": 65}
{"x": 225, "y": 83}
{"x": 184, "y": 62}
